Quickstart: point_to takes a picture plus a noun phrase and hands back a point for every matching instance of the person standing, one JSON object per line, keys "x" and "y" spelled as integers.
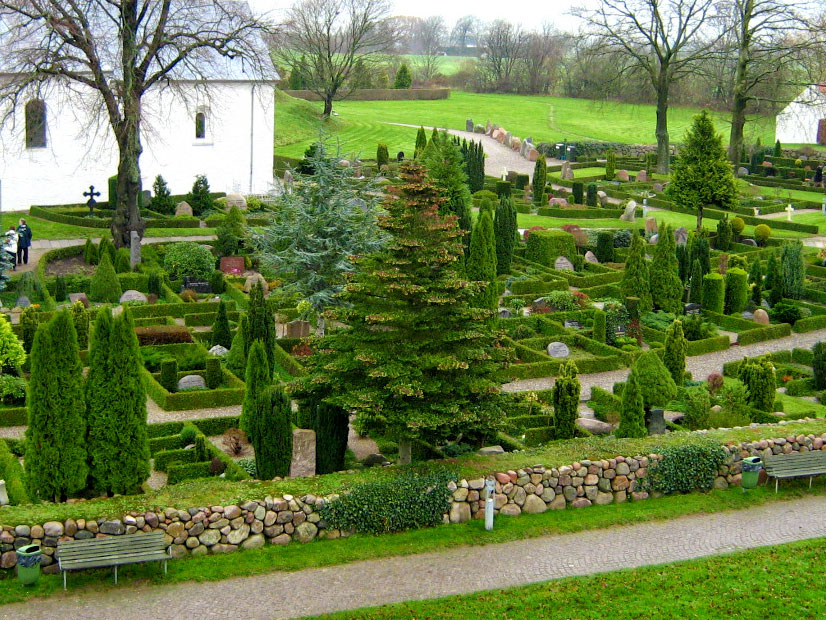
{"x": 24, "y": 241}
{"x": 10, "y": 246}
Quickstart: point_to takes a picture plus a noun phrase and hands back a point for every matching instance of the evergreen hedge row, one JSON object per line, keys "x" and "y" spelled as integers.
{"x": 180, "y": 310}
{"x": 196, "y": 399}
{"x": 165, "y": 458}
{"x": 14, "y": 416}
{"x": 537, "y": 287}
{"x": 204, "y": 319}
{"x": 287, "y": 362}
{"x": 544, "y": 246}
{"x": 166, "y": 442}
{"x": 584, "y": 214}
{"x": 12, "y": 472}
{"x": 809, "y": 324}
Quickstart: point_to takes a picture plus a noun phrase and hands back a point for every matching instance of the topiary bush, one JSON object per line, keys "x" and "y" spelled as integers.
{"x": 566, "y": 401}
{"x": 169, "y": 374}
{"x": 200, "y": 198}
{"x": 154, "y": 283}
{"x": 737, "y": 291}
{"x": 188, "y": 259}
{"x": 762, "y": 233}
{"x": 577, "y": 188}
{"x": 819, "y": 365}
{"x": 60, "y": 289}
{"x": 214, "y": 374}
{"x": 714, "y": 293}
{"x": 105, "y": 286}
{"x": 598, "y": 331}
{"x": 544, "y": 246}
{"x": 784, "y": 312}
{"x": 409, "y": 501}
{"x": 90, "y": 253}
{"x": 759, "y": 378}
{"x": 605, "y": 246}
{"x": 697, "y": 407}
{"x": 217, "y": 282}
{"x": 122, "y": 264}
{"x": 382, "y": 156}
{"x": 687, "y": 467}
{"x": 591, "y": 195}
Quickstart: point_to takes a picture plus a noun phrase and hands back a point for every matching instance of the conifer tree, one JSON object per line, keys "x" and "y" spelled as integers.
{"x": 774, "y": 279}
{"x": 107, "y": 247}
{"x": 231, "y": 233}
{"x": 421, "y": 142}
{"x": 675, "y": 351}
{"x": 654, "y": 381}
{"x": 403, "y": 79}
{"x": 80, "y": 317}
{"x": 99, "y": 427}
{"x": 701, "y": 251}
{"x": 566, "y": 401}
{"x": 55, "y": 436}
{"x": 260, "y": 325}
{"x": 666, "y": 286}
{"x": 702, "y": 175}
{"x": 332, "y": 426}
{"x": 632, "y": 413}
{"x": 237, "y": 356}
{"x": 792, "y": 269}
{"x": 610, "y": 165}
{"x": 382, "y": 156}
{"x": 271, "y": 432}
{"x": 416, "y": 359}
{"x": 756, "y": 281}
{"x": 724, "y": 234}
{"x": 105, "y": 286}
{"x": 635, "y": 281}
{"x": 444, "y": 167}
{"x": 162, "y": 201}
{"x": 504, "y": 229}
{"x": 221, "y": 334}
{"x": 540, "y": 179}
{"x": 695, "y": 285}
{"x": 256, "y": 380}
{"x": 758, "y": 375}
{"x": 481, "y": 262}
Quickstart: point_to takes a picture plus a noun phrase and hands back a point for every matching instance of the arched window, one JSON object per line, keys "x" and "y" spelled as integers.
{"x": 36, "y": 124}
{"x": 200, "y": 126}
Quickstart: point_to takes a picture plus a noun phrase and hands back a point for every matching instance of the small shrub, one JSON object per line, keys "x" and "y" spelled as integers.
{"x": 234, "y": 440}
{"x": 819, "y": 365}
{"x": 762, "y": 233}
{"x": 784, "y": 312}
{"x": 605, "y": 247}
{"x": 737, "y": 225}
{"x": 169, "y": 374}
{"x": 90, "y": 253}
{"x": 688, "y": 467}
{"x": 713, "y": 292}
{"x": 189, "y": 296}
{"x": 714, "y": 382}
{"x": 199, "y": 198}
{"x": 409, "y": 501}
{"x": 217, "y": 466}
{"x": 105, "y": 286}
{"x": 188, "y": 434}
{"x": 122, "y": 264}
{"x": 60, "y": 289}
{"x": 382, "y": 156}
{"x": 217, "y": 282}
{"x": 188, "y": 259}
{"x": 697, "y": 407}
{"x": 154, "y": 283}
{"x": 214, "y": 374}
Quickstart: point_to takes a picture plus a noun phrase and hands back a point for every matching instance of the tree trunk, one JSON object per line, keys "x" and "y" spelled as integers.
{"x": 699, "y": 218}
{"x": 740, "y": 96}
{"x": 662, "y": 122}
{"x": 405, "y": 451}
{"x": 328, "y": 104}
{"x": 127, "y": 213}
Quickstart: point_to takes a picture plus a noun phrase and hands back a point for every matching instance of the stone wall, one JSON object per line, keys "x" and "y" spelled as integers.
{"x": 282, "y": 520}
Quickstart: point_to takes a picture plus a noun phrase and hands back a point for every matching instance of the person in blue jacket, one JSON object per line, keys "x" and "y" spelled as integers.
{"x": 24, "y": 241}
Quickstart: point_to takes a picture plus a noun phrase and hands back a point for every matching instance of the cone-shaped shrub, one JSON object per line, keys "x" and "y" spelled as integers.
{"x": 332, "y": 426}
{"x": 260, "y": 325}
{"x": 60, "y": 289}
{"x": 122, "y": 261}
{"x": 169, "y": 374}
{"x": 56, "y": 434}
{"x": 540, "y": 179}
{"x": 599, "y": 326}
{"x": 90, "y": 253}
{"x": 505, "y": 230}
{"x": 566, "y": 401}
{"x": 237, "y": 358}
{"x": 481, "y": 263}
{"x": 758, "y": 376}
{"x": 713, "y": 292}
{"x": 774, "y": 280}
{"x": 80, "y": 317}
{"x": 635, "y": 281}
{"x": 666, "y": 286}
{"x": 655, "y": 382}
{"x": 695, "y": 284}
{"x": 675, "y": 351}
{"x": 632, "y": 412}
{"x": 214, "y": 376}
{"x": 105, "y": 286}
{"x": 756, "y": 281}
{"x": 257, "y": 378}
{"x": 221, "y": 334}
{"x": 271, "y": 433}
{"x": 605, "y": 246}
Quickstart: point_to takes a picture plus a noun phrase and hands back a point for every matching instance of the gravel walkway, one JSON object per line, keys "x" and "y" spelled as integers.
{"x": 700, "y": 366}
{"x": 456, "y": 571}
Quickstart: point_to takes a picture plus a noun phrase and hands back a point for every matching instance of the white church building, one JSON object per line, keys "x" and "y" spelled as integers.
{"x": 51, "y": 149}
{"x": 803, "y": 121}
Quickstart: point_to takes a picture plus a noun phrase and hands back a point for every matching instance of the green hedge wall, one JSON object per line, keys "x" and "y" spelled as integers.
{"x": 197, "y": 399}
{"x": 544, "y": 246}
{"x": 707, "y": 345}
{"x": 203, "y": 319}
{"x": 537, "y": 287}
{"x": 165, "y": 458}
{"x": 180, "y": 472}
{"x": 583, "y": 214}
{"x": 14, "y": 416}
{"x": 288, "y": 362}
{"x": 168, "y": 442}
{"x": 12, "y": 472}
{"x": 767, "y": 332}
{"x": 180, "y": 310}
{"x": 810, "y": 323}
{"x": 540, "y": 435}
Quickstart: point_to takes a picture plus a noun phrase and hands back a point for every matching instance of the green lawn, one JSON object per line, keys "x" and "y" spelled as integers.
{"x": 447, "y": 65}
{"x": 363, "y": 547}
{"x": 360, "y": 125}
{"x": 785, "y": 581}
{"x": 48, "y": 230}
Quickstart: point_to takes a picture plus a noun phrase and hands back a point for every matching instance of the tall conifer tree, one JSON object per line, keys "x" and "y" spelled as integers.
{"x": 481, "y": 262}
{"x": 635, "y": 281}
{"x": 260, "y": 325}
{"x": 271, "y": 432}
{"x": 504, "y": 229}
{"x": 256, "y": 379}
{"x": 666, "y": 286}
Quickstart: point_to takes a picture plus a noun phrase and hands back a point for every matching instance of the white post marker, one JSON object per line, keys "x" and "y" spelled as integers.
{"x": 4, "y": 497}
{"x": 504, "y": 174}
{"x": 823, "y": 207}
{"x": 789, "y": 210}
{"x": 490, "y": 490}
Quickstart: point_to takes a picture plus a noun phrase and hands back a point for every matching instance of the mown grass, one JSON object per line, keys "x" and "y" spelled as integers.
{"x": 361, "y": 125}
{"x": 46, "y": 230}
{"x": 785, "y": 581}
{"x": 363, "y": 547}
{"x": 446, "y": 65}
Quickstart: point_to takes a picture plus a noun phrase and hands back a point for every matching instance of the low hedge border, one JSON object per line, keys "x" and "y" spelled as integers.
{"x": 197, "y": 399}
{"x": 809, "y": 324}
{"x": 205, "y": 319}
{"x": 208, "y": 426}
{"x": 288, "y": 362}
{"x": 165, "y": 458}
{"x": 731, "y": 369}
{"x": 12, "y": 472}
{"x": 181, "y": 309}
{"x": 537, "y": 287}
{"x": 165, "y": 442}
{"x": 14, "y": 416}
{"x": 583, "y": 214}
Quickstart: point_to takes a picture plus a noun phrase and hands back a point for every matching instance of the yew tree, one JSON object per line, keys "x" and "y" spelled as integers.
{"x": 414, "y": 358}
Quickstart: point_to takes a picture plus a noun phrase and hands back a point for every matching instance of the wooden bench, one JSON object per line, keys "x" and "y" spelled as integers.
{"x": 113, "y": 551}
{"x": 804, "y": 465}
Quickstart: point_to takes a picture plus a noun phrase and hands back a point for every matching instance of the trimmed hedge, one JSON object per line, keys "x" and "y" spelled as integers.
{"x": 810, "y": 323}
{"x": 180, "y": 309}
{"x": 196, "y": 399}
{"x": 539, "y": 435}
{"x": 537, "y": 287}
{"x": 707, "y": 345}
{"x": 205, "y": 319}
{"x": 165, "y": 458}
{"x": 12, "y": 472}
{"x": 544, "y": 246}
{"x": 766, "y": 332}
{"x": 168, "y": 442}
{"x": 288, "y": 362}
{"x": 179, "y": 472}
{"x": 162, "y": 334}
{"x": 14, "y": 416}
{"x": 583, "y": 214}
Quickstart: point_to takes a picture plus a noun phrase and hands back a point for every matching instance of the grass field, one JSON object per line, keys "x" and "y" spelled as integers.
{"x": 745, "y": 584}
{"x": 448, "y": 65}
{"x": 361, "y": 125}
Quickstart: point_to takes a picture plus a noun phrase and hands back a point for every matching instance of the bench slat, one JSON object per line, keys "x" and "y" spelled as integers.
{"x": 806, "y": 464}
{"x": 107, "y": 562}
{"x": 93, "y": 553}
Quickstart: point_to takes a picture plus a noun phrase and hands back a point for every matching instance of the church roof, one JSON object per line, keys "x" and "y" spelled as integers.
{"x": 18, "y": 40}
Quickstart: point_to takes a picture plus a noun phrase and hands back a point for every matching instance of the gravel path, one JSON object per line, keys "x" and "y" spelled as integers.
{"x": 456, "y": 571}
{"x": 700, "y": 366}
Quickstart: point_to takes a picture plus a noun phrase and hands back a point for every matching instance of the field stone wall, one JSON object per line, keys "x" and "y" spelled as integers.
{"x": 287, "y": 519}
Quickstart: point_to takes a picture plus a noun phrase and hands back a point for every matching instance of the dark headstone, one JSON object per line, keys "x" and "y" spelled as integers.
{"x": 197, "y": 285}
{"x": 23, "y": 302}
{"x": 400, "y": 156}
{"x": 505, "y": 314}
{"x": 750, "y": 242}
{"x": 232, "y": 265}
{"x": 298, "y": 329}
{"x": 468, "y": 125}
{"x": 374, "y": 459}
{"x": 81, "y": 297}
{"x": 655, "y": 422}
{"x": 692, "y": 308}
{"x": 573, "y": 324}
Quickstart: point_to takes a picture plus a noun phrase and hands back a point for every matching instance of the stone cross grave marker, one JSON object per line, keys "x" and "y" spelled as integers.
{"x": 92, "y": 194}
{"x": 789, "y": 210}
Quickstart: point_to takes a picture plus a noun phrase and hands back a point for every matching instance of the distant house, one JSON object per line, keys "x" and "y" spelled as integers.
{"x": 221, "y": 125}
{"x": 803, "y": 121}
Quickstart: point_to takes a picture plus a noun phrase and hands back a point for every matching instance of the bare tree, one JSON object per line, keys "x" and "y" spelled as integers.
{"x": 543, "y": 54}
{"x": 503, "y": 46}
{"x": 770, "y": 39}
{"x": 117, "y": 50}
{"x": 663, "y": 37}
{"x": 465, "y": 29}
{"x": 431, "y": 35}
{"x": 330, "y": 36}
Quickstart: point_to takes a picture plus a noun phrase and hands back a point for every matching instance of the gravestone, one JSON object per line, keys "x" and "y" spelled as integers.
{"x": 602, "y": 198}
{"x": 344, "y": 163}
{"x": 508, "y": 139}
{"x": 642, "y": 176}
{"x": 252, "y": 279}
{"x": 742, "y": 172}
{"x": 750, "y": 242}
{"x": 622, "y": 175}
{"x": 197, "y": 285}
{"x": 655, "y": 422}
{"x": 516, "y": 144}
{"x": 134, "y": 249}
{"x": 558, "y": 349}
{"x": 573, "y": 324}
{"x": 747, "y": 315}
{"x": 620, "y": 331}
{"x": 692, "y": 308}
{"x": 523, "y": 149}
{"x": 81, "y": 297}
{"x": 23, "y": 302}
{"x": 681, "y": 236}
{"x": 190, "y": 382}
{"x": 650, "y": 225}
{"x": 594, "y": 426}
{"x": 232, "y": 265}
{"x": 590, "y": 257}
{"x": 488, "y": 128}
{"x": 566, "y": 173}
{"x": 558, "y": 202}
{"x": 468, "y": 125}
{"x": 303, "y": 463}
{"x": 133, "y": 295}
{"x": 298, "y": 329}
{"x": 761, "y": 316}
{"x": 218, "y": 351}
{"x": 183, "y": 208}
{"x": 539, "y": 305}
{"x": 563, "y": 264}
{"x": 505, "y": 314}
{"x": 495, "y": 134}
{"x": 236, "y": 200}
{"x": 630, "y": 213}
{"x": 533, "y": 154}
{"x": 658, "y": 187}
{"x": 654, "y": 238}
{"x": 288, "y": 178}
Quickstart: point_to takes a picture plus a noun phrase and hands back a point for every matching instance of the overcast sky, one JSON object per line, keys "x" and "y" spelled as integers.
{"x": 529, "y": 13}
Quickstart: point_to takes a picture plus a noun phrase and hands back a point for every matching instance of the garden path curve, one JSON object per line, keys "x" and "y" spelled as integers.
{"x": 456, "y": 571}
